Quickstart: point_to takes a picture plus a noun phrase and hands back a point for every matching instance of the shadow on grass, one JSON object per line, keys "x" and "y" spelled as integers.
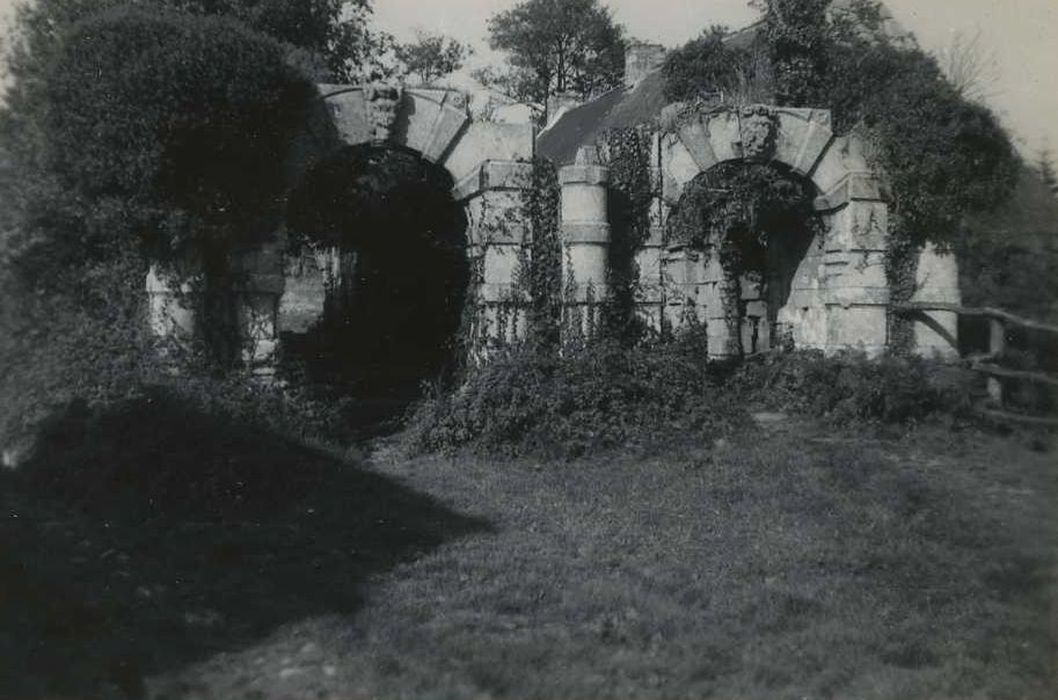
{"x": 154, "y": 535}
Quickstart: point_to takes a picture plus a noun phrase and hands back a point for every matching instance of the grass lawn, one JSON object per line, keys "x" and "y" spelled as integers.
{"x": 787, "y": 562}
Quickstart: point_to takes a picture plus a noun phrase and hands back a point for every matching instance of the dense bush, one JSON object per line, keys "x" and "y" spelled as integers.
{"x": 87, "y": 340}
{"x": 182, "y": 122}
{"x": 943, "y": 155}
{"x": 603, "y": 395}
{"x": 595, "y": 397}
{"x": 126, "y": 131}
{"x": 96, "y": 352}
{"x": 850, "y": 388}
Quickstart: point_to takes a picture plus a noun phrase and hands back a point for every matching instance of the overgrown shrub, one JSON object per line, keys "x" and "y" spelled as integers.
{"x": 87, "y": 341}
{"x": 181, "y": 123}
{"x": 595, "y": 397}
{"x": 126, "y": 131}
{"x": 850, "y": 388}
{"x": 943, "y": 156}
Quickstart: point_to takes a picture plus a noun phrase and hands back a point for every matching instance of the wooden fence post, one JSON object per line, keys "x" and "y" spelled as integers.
{"x": 997, "y": 340}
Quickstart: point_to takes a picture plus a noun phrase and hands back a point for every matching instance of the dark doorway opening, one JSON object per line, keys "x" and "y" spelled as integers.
{"x": 758, "y": 219}
{"x": 395, "y": 302}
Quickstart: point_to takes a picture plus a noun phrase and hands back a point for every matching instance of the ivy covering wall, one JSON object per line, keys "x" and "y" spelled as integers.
{"x": 631, "y": 193}
{"x": 545, "y": 253}
{"x": 944, "y": 158}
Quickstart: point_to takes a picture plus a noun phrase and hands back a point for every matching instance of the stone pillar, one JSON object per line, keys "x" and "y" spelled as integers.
{"x": 650, "y": 296}
{"x": 259, "y": 287}
{"x": 937, "y": 282}
{"x": 497, "y": 234}
{"x": 725, "y": 313}
{"x": 856, "y": 289}
{"x": 171, "y": 307}
{"x": 687, "y": 293}
{"x": 755, "y": 326}
{"x": 172, "y": 314}
{"x": 585, "y": 241}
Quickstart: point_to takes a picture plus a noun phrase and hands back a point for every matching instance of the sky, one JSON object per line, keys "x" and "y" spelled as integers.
{"x": 1019, "y": 33}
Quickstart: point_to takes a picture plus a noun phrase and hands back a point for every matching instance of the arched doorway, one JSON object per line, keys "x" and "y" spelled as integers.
{"x": 753, "y": 225}
{"x": 399, "y": 277}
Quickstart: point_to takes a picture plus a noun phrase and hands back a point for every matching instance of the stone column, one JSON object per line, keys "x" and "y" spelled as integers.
{"x": 856, "y": 289}
{"x": 585, "y": 241}
{"x": 650, "y": 296}
{"x": 259, "y": 287}
{"x": 497, "y": 236}
{"x": 725, "y": 313}
{"x": 755, "y": 327}
{"x": 937, "y": 282}
{"x": 172, "y": 314}
{"x": 690, "y": 290}
{"x": 171, "y": 308}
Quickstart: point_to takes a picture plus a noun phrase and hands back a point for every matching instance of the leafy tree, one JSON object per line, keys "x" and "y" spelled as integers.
{"x": 704, "y": 67}
{"x": 43, "y": 145}
{"x": 158, "y": 132}
{"x": 331, "y": 36}
{"x": 796, "y": 31}
{"x": 560, "y": 46}
{"x": 184, "y": 113}
{"x": 330, "y": 39}
{"x": 1007, "y": 257}
{"x": 943, "y": 155}
{"x": 971, "y": 68}
{"x": 516, "y": 83}
{"x": 431, "y": 56}
{"x": 1045, "y": 166}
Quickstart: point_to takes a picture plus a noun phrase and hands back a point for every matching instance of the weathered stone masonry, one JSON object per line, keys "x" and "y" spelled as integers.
{"x": 490, "y": 164}
{"x": 839, "y": 292}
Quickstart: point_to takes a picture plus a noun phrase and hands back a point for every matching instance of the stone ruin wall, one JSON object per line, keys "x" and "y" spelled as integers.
{"x": 839, "y": 294}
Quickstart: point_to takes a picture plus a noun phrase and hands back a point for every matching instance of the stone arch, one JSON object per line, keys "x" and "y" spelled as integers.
{"x": 489, "y": 165}
{"x": 845, "y": 305}
{"x": 392, "y": 242}
{"x": 435, "y": 123}
{"x": 760, "y": 304}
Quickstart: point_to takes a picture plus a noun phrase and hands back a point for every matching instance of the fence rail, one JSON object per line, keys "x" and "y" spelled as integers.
{"x": 1004, "y": 317}
{"x": 999, "y": 322}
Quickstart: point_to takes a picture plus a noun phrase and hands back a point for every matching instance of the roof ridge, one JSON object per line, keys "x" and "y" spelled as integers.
{"x": 570, "y": 110}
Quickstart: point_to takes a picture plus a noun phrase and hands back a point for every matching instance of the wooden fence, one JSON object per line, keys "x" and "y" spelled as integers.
{"x": 1000, "y": 323}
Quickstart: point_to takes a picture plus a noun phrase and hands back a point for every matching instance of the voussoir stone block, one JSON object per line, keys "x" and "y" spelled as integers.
{"x": 486, "y": 141}
{"x": 429, "y": 120}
